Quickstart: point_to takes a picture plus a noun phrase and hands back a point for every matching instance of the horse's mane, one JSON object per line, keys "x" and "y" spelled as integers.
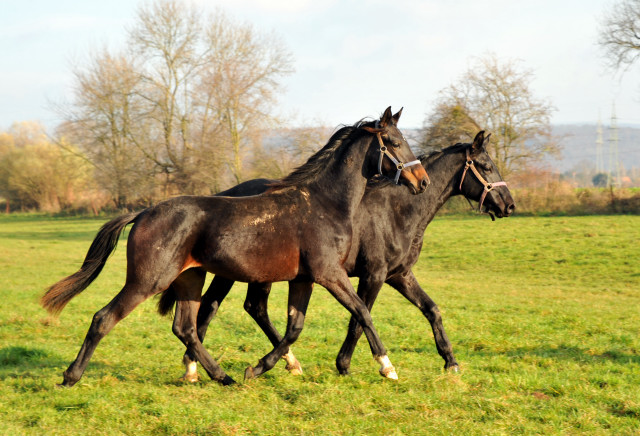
{"x": 427, "y": 157}
{"x": 318, "y": 162}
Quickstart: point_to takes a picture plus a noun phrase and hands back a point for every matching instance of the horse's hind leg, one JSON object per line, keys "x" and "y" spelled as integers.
{"x": 211, "y": 300}
{"x": 408, "y": 286}
{"x": 188, "y": 287}
{"x": 299, "y": 295}
{"x": 103, "y": 321}
{"x": 256, "y": 304}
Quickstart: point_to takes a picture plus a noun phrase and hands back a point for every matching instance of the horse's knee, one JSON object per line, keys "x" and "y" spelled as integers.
{"x": 249, "y": 307}
{"x": 185, "y": 333}
{"x": 255, "y": 310}
{"x": 432, "y": 313}
{"x": 100, "y": 325}
{"x": 295, "y": 329}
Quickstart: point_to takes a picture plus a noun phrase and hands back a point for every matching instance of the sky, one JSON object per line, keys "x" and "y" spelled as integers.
{"x": 352, "y": 58}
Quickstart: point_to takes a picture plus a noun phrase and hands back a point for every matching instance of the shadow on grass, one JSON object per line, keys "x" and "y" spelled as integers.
{"x": 567, "y": 353}
{"x": 20, "y": 361}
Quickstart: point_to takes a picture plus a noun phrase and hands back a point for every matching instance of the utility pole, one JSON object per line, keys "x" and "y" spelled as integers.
{"x": 599, "y": 143}
{"x": 614, "y": 163}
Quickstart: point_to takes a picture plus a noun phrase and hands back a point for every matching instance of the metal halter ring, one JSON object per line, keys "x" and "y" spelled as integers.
{"x": 399, "y": 165}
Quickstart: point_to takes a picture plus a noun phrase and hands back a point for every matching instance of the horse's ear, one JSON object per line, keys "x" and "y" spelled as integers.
{"x": 486, "y": 141}
{"x": 396, "y": 117}
{"x": 478, "y": 142}
{"x": 386, "y": 117}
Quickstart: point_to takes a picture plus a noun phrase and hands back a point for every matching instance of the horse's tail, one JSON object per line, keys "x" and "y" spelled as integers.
{"x": 167, "y": 300}
{"x": 58, "y": 295}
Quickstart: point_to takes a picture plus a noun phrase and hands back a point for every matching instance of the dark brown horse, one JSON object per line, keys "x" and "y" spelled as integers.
{"x": 299, "y": 231}
{"x": 388, "y": 232}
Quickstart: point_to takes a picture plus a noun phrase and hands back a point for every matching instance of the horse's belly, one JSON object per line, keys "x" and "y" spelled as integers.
{"x": 257, "y": 263}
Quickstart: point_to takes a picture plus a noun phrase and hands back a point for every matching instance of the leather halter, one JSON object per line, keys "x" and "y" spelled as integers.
{"x": 399, "y": 164}
{"x": 487, "y": 186}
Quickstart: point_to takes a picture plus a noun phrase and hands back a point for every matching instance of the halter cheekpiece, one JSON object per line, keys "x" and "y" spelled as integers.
{"x": 487, "y": 186}
{"x": 399, "y": 165}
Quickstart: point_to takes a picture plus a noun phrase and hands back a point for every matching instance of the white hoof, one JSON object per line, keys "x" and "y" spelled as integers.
{"x": 293, "y": 366}
{"x": 191, "y": 372}
{"x": 389, "y": 373}
{"x": 386, "y": 368}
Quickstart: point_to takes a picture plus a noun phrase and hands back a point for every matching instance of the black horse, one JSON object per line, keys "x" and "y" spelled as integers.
{"x": 388, "y": 233}
{"x": 299, "y": 231}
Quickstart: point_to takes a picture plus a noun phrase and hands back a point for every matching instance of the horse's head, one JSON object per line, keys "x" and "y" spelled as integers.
{"x": 395, "y": 157}
{"x": 481, "y": 181}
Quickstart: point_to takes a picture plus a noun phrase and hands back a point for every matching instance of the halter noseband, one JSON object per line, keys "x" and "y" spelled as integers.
{"x": 487, "y": 186}
{"x": 399, "y": 165}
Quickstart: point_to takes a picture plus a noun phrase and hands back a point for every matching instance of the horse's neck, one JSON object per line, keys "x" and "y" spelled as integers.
{"x": 443, "y": 171}
{"x": 343, "y": 182}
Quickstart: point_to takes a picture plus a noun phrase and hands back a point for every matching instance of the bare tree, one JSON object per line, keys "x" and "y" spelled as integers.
{"x": 449, "y": 123}
{"x": 240, "y": 85}
{"x": 286, "y": 149}
{"x": 166, "y": 42}
{"x": 186, "y": 114}
{"x": 101, "y": 122}
{"x": 620, "y": 33}
{"x": 496, "y": 97}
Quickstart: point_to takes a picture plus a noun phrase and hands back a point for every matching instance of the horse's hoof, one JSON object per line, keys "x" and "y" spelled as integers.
{"x": 249, "y": 373}
{"x": 295, "y": 369}
{"x": 389, "y": 372}
{"x": 455, "y": 369}
{"x": 192, "y": 378}
{"x": 386, "y": 368}
{"x": 226, "y": 381}
{"x": 293, "y": 365}
{"x": 67, "y": 383}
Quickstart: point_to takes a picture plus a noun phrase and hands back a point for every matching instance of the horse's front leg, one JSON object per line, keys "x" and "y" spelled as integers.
{"x": 408, "y": 286}
{"x": 299, "y": 295}
{"x": 368, "y": 289}
{"x": 340, "y": 287}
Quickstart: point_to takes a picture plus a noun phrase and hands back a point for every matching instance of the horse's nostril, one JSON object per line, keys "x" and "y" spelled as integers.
{"x": 511, "y": 208}
{"x": 423, "y": 184}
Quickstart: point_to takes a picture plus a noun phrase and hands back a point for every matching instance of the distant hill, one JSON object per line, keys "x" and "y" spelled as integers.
{"x": 579, "y": 144}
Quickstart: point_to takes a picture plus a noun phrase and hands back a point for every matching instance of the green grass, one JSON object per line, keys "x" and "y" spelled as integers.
{"x": 543, "y": 314}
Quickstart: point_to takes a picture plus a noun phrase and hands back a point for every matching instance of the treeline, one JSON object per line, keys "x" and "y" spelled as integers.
{"x": 40, "y": 173}
{"x": 36, "y": 173}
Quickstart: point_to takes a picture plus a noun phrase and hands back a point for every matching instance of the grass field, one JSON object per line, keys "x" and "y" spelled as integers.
{"x": 543, "y": 314}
